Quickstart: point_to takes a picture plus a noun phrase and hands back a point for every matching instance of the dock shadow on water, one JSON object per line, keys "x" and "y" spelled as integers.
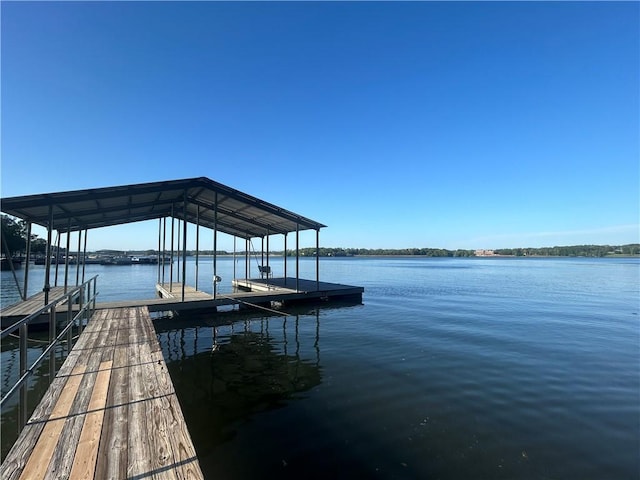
{"x": 233, "y": 370}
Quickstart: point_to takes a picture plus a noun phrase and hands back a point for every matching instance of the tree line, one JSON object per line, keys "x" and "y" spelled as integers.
{"x": 573, "y": 251}
{"x": 14, "y": 234}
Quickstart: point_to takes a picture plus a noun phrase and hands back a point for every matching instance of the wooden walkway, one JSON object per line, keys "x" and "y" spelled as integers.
{"x": 110, "y": 413}
{"x": 17, "y": 311}
{"x": 262, "y": 292}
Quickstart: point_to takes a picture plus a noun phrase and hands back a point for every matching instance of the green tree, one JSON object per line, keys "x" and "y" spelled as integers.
{"x": 14, "y": 234}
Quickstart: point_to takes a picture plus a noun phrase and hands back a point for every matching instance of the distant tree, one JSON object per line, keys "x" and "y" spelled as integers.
{"x": 39, "y": 246}
{"x": 14, "y": 234}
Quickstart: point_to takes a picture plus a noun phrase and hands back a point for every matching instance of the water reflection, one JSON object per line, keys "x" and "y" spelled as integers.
{"x": 227, "y": 371}
{"x": 36, "y": 385}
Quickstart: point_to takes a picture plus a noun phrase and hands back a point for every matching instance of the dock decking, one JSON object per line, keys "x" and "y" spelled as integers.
{"x": 17, "y": 311}
{"x": 257, "y": 291}
{"x": 111, "y": 411}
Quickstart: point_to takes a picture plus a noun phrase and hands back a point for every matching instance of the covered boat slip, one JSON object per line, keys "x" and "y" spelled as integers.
{"x": 111, "y": 411}
{"x": 198, "y": 201}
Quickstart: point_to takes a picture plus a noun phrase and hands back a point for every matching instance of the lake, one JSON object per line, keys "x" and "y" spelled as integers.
{"x": 490, "y": 368}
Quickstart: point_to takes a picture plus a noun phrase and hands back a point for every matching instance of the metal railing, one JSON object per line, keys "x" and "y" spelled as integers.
{"x": 84, "y": 296}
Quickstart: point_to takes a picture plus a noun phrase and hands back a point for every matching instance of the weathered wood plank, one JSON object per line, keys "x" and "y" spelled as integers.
{"x": 19, "y": 454}
{"x": 44, "y": 448}
{"x": 139, "y": 453}
{"x": 122, "y": 417}
{"x": 87, "y": 451}
{"x": 60, "y": 466}
{"x": 170, "y": 424}
{"x": 112, "y": 452}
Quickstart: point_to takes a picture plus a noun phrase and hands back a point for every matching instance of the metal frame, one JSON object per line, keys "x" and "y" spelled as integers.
{"x": 87, "y": 302}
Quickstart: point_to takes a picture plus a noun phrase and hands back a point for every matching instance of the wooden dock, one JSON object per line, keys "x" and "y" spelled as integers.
{"x": 254, "y": 291}
{"x": 17, "y": 311}
{"x": 111, "y": 412}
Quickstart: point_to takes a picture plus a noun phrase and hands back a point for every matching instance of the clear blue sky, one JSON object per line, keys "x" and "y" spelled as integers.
{"x": 419, "y": 124}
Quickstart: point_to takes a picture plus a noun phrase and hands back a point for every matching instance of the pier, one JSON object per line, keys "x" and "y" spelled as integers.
{"x": 111, "y": 411}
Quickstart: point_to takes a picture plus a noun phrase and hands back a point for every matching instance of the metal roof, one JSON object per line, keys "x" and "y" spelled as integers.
{"x": 238, "y": 213}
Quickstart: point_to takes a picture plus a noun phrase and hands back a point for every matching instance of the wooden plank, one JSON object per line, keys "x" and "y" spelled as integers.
{"x": 19, "y": 454}
{"x": 170, "y": 424}
{"x": 122, "y": 416}
{"x": 112, "y": 452}
{"x": 138, "y": 449}
{"x": 43, "y": 451}
{"x": 63, "y": 458}
{"x": 31, "y": 304}
{"x": 87, "y": 451}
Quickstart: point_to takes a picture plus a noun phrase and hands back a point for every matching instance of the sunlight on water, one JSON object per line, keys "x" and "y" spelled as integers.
{"x": 451, "y": 368}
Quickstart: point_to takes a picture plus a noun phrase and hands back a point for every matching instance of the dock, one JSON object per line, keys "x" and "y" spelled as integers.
{"x": 111, "y": 411}
{"x": 251, "y": 292}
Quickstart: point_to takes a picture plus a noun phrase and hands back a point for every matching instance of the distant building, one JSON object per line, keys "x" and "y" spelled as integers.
{"x": 485, "y": 253}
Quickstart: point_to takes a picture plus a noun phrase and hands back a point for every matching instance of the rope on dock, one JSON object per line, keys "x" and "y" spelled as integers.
{"x": 259, "y": 306}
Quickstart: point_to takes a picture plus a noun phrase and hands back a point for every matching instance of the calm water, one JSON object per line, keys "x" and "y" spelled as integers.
{"x": 451, "y": 368}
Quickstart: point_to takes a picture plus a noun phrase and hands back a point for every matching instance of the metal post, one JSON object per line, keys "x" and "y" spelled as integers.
{"x": 26, "y": 266}
{"x": 66, "y": 258}
{"x": 262, "y": 252}
{"x": 178, "y": 265}
{"x": 164, "y": 245}
{"x": 234, "y": 257}
{"x": 84, "y": 253}
{"x": 297, "y": 257}
{"x": 197, "y": 242}
{"x": 69, "y": 321}
{"x": 184, "y": 245}
{"x": 285, "y": 259}
{"x": 246, "y": 259}
{"x": 215, "y": 246}
{"x": 159, "y": 245}
{"x": 47, "y": 262}
{"x": 78, "y": 258}
{"x": 57, "y": 257}
{"x": 81, "y": 303}
{"x": 171, "y": 256}
{"x": 52, "y": 337}
{"x": 317, "y": 260}
{"x": 23, "y": 369}
{"x": 267, "y": 254}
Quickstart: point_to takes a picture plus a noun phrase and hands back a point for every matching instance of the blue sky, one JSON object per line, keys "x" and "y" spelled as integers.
{"x": 418, "y": 124}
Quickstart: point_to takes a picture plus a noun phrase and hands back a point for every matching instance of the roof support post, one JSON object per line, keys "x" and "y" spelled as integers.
{"x": 84, "y": 253}
{"x": 66, "y": 257}
{"x": 197, "y": 241}
{"x": 55, "y": 282}
{"x": 27, "y": 260}
{"x": 215, "y": 246}
{"x": 246, "y": 259}
{"x": 47, "y": 262}
{"x": 297, "y": 257}
{"x": 164, "y": 245}
{"x": 171, "y": 264}
{"x": 268, "y": 255}
{"x": 234, "y": 257}
{"x": 318, "y": 260}
{"x": 285, "y": 259}
{"x": 78, "y": 257}
{"x": 184, "y": 245}
{"x": 159, "y": 245}
{"x": 178, "y": 256}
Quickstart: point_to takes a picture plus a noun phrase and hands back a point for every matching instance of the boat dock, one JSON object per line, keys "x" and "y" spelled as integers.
{"x": 111, "y": 411}
{"x": 252, "y": 292}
